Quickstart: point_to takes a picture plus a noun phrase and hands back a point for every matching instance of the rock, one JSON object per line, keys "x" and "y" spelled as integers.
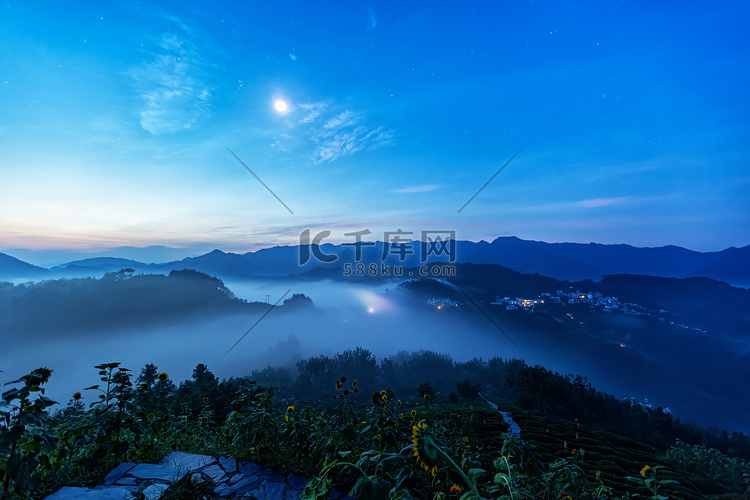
{"x": 228, "y": 464}
{"x": 275, "y": 491}
{"x": 249, "y": 468}
{"x": 105, "y": 493}
{"x": 163, "y": 472}
{"x": 186, "y": 460}
{"x": 215, "y": 472}
{"x": 247, "y": 485}
{"x": 155, "y": 491}
{"x": 271, "y": 475}
{"x": 126, "y": 481}
{"x": 223, "y": 490}
{"x": 118, "y": 472}
{"x": 296, "y": 482}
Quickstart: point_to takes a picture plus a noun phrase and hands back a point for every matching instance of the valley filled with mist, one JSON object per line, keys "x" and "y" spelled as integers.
{"x": 679, "y": 343}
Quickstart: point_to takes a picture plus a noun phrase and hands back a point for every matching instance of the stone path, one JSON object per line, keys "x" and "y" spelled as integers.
{"x": 231, "y": 477}
{"x": 513, "y": 427}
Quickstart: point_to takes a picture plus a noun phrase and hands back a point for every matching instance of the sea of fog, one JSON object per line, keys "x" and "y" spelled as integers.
{"x": 345, "y": 316}
{"x": 385, "y": 321}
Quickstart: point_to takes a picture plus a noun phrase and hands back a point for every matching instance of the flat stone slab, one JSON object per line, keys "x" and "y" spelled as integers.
{"x": 275, "y": 491}
{"x": 228, "y": 464}
{"x": 249, "y": 468}
{"x": 296, "y": 482}
{"x": 156, "y": 471}
{"x": 187, "y": 460}
{"x": 155, "y": 491}
{"x": 246, "y": 485}
{"x": 215, "y": 472}
{"x": 271, "y": 475}
{"x": 107, "y": 493}
{"x": 118, "y": 472}
{"x": 231, "y": 478}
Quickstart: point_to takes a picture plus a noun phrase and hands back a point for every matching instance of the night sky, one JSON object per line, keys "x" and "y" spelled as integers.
{"x": 631, "y": 119}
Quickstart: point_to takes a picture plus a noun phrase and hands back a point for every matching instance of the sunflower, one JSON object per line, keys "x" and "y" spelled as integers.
{"x": 76, "y": 396}
{"x": 425, "y": 448}
{"x": 289, "y": 409}
{"x": 645, "y": 470}
{"x": 375, "y": 398}
{"x": 413, "y": 413}
{"x": 205, "y": 399}
{"x": 339, "y": 385}
{"x": 354, "y": 384}
{"x": 37, "y": 377}
{"x": 456, "y": 489}
{"x": 163, "y": 377}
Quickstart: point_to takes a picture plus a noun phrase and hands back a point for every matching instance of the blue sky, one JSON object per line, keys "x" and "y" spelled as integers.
{"x": 632, "y": 118}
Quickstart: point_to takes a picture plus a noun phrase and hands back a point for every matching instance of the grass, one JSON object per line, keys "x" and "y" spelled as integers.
{"x": 386, "y": 448}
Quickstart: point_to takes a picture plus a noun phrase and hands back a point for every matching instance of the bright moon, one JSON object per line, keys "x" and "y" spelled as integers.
{"x": 280, "y": 106}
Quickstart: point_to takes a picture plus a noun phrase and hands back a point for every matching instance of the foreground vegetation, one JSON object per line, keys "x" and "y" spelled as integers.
{"x": 401, "y": 440}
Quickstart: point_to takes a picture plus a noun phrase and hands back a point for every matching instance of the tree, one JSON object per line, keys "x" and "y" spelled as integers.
{"x": 425, "y": 389}
{"x": 203, "y": 377}
{"x": 299, "y": 300}
{"x": 148, "y": 375}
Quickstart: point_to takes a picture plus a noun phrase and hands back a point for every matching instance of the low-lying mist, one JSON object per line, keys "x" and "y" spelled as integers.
{"x": 380, "y": 318}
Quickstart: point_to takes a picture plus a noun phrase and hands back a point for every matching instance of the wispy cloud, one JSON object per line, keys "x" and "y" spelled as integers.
{"x": 417, "y": 189}
{"x": 602, "y": 202}
{"x": 334, "y": 143}
{"x": 372, "y": 22}
{"x": 169, "y": 84}
{"x": 312, "y": 110}
{"x": 339, "y": 132}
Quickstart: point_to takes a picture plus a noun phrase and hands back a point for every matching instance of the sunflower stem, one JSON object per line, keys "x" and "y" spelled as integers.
{"x": 466, "y": 479}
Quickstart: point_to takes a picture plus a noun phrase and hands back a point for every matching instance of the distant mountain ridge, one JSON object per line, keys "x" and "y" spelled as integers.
{"x": 14, "y": 269}
{"x": 564, "y": 261}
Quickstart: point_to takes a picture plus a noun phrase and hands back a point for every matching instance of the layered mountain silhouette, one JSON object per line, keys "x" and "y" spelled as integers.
{"x": 565, "y": 261}
{"x": 15, "y": 269}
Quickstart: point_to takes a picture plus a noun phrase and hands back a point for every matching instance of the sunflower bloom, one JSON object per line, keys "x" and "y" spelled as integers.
{"x": 339, "y": 385}
{"x": 76, "y": 396}
{"x": 413, "y": 414}
{"x": 205, "y": 399}
{"x": 425, "y": 448}
{"x": 289, "y": 409}
{"x": 645, "y": 470}
{"x": 163, "y": 377}
{"x": 456, "y": 489}
{"x": 37, "y": 377}
{"x": 375, "y": 399}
